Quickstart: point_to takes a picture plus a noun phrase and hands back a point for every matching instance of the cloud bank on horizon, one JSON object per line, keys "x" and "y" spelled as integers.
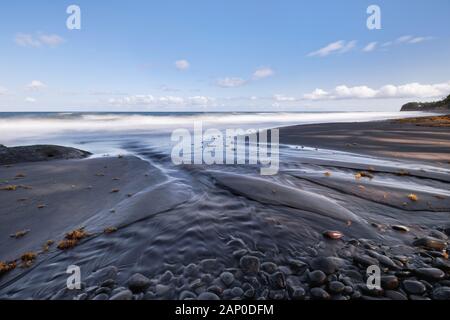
{"x": 296, "y": 58}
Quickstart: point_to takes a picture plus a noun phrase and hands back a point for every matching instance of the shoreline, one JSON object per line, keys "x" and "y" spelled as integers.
{"x": 139, "y": 231}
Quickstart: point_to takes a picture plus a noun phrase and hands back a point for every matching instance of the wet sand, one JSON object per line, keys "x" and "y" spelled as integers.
{"x": 150, "y": 230}
{"x": 406, "y": 139}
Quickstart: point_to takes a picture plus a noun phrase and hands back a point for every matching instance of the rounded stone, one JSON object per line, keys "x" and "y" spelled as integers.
{"x": 328, "y": 265}
{"x": 237, "y": 292}
{"x": 122, "y": 295}
{"x": 278, "y": 280}
{"x": 166, "y": 277}
{"x": 414, "y": 287}
{"x": 298, "y": 293}
{"x": 101, "y": 296}
{"x": 227, "y": 278}
{"x": 319, "y": 294}
{"x": 430, "y": 273}
{"x": 395, "y": 295}
{"x": 138, "y": 283}
{"x": 430, "y": 243}
{"x": 186, "y": 294}
{"x": 317, "y": 277}
{"x": 336, "y": 286}
{"x": 333, "y": 235}
{"x": 442, "y": 293}
{"x": 389, "y": 282}
{"x": 249, "y": 264}
{"x": 208, "y": 296}
{"x": 269, "y": 267}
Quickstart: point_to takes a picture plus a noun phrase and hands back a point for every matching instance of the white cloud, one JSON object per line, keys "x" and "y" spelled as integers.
{"x": 231, "y": 82}
{"x": 30, "y": 100}
{"x": 170, "y": 101}
{"x": 370, "y": 47}
{"x": 409, "y": 90}
{"x": 182, "y": 65}
{"x": 262, "y": 73}
{"x": 283, "y": 98}
{"x": 36, "y": 85}
{"x": 29, "y": 40}
{"x": 51, "y": 40}
{"x": 403, "y": 39}
{"x": 340, "y": 46}
{"x": 317, "y": 94}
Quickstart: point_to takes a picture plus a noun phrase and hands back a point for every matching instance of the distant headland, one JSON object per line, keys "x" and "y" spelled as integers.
{"x": 437, "y": 106}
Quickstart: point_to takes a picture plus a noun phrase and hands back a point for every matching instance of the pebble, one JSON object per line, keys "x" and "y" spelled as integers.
{"x": 237, "y": 292}
{"x": 389, "y": 282}
{"x": 438, "y": 235}
{"x": 395, "y": 295}
{"x": 186, "y": 294}
{"x": 209, "y": 265}
{"x": 298, "y": 293}
{"x": 208, "y": 296}
{"x": 109, "y": 283}
{"x": 319, "y": 294}
{"x": 101, "y": 296}
{"x": 227, "y": 278}
{"x": 138, "y": 283}
{"x": 442, "y": 293}
{"x": 101, "y": 275}
{"x": 333, "y": 235}
{"x": 297, "y": 266}
{"x": 328, "y": 265}
{"x": 442, "y": 264}
{"x": 269, "y": 267}
{"x": 365, "y": 260}
{"x": 430, "y": 273}
{"x": 414, "y": 287}
{"x": 249, "y": 264}
{"x": 336, "y": 286}
{"x": 166, "y": 277}
{"x": 278, "y": 280}
{"x": 430, "y": 243}
{"x": 122, "y": 295}
{"x": 400, "y": 228}
{"x": 317, "y": 277}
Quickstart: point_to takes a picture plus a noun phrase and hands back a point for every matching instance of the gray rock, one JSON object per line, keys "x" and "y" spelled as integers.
{"x": 297, "y": 293}
{"x": 109, "y": 283}
{"x": 414, "y": 287}
{"x": 122, "y": 295}
{"x": 365, "y": 260}
{"x": 269, "y": 267}
{"x": 430, "y": 243}
{"x": 190, "y": 270}
{"x": 442, "y": 264}
{"x": 277, "y": 280}
{"x": 162, "y": 290}
{"x": 102, "y": 275}
{"x": 319, "y": 294}
{"x": 317, "y": 277}
{"x": 227, "y": 278}
{"x": 209, "y": 265}
{"x": 430, "y": 273}
{"x": 237, "y": 292}
{"x": 298, "y": 267}
{"x": 138, "y": 283}
{"x": 395, "y": 295}
{"x": 208, "y": 296}
{"x": 442, "y": 293}
{"x": 389, "y": 282}
{"x": 327, "y": 264}
{"x": 336, "y": 286}
{"x": 438, "y": 235}
{"x": 101, "y": 296}
{"x": 249, "y": 264}
{"x": 186, "y": 294}
{"x": 166, "y": 277}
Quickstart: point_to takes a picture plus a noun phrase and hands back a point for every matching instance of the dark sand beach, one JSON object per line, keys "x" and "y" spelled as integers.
{"x": 373, "y": 193}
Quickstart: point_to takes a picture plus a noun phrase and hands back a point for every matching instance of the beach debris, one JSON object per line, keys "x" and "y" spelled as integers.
{"x": 72, "y": 238}
{"x": 334, "y": 235}
{"x": 413, "y": 197}
{"x": 437, "y": 196}
{"x": 115, "y": 190}
{"x": 403, "y": 173}
{"x": 112, "y": 210}
{"x": 19, "y": 234}
{"x": 365, "y": 174}
{"x": 400, "y": 228}
{"x": 110, "y": 230}
{"x": 120, "y": 156}
{"x": 10, "y": 187}
{"x": 7, "y": 266}
{"x": 28, "y": 258}
{"x": 47, "y": 245}
{"x": 327, "y": 173}
{"x": 358, "y": 176}
{"x": 99, "y": 174}
{"x": 129, "y": 195}
{"x": 22, "y": 199}
{"x": 20, "y": 175}
{"x": 116, "y": 179}
{"x": 41, "y": 206}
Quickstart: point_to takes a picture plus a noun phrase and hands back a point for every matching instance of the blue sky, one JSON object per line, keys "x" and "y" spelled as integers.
{"x": 222, "y": 55}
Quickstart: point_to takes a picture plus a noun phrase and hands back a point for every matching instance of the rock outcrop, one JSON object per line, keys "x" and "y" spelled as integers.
{"x": 437, "y": 106}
